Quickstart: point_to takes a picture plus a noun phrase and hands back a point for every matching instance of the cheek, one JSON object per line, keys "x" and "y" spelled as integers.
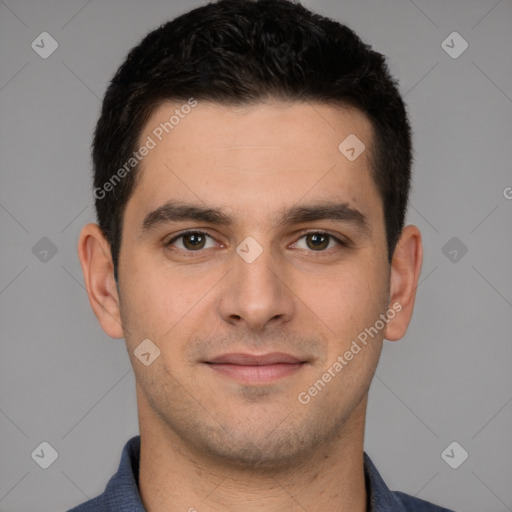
{"x": 159, "y": 302}
{"x": 346, "y": 299}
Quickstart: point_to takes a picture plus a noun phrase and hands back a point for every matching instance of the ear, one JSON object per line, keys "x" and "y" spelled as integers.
{"x": 98, "y": 269}
{"x": 404, "y": 276}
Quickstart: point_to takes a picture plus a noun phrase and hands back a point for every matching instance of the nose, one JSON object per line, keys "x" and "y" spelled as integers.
{"x": 258, "y": 291}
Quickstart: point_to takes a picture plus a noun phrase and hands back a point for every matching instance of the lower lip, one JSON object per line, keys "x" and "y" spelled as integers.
{"x": 256, "y": 374}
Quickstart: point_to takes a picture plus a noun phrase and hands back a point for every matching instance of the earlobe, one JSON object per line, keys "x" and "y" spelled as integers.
{"x": 405, "y": 273}
{"x": 98, "y": 269}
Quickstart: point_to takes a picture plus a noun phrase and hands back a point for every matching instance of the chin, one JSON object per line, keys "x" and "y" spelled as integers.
{"x": 259, "y": 449}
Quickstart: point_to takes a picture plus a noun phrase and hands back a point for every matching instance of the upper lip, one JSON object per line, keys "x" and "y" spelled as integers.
{"x": 255, "y": 360}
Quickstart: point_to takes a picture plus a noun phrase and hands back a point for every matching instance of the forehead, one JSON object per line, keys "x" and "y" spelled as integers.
{"x": 279, "y": 132}
{"x": 256, "y": 158}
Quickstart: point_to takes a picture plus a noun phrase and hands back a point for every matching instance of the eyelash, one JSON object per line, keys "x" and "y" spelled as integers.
{"x": 196, "y": 232}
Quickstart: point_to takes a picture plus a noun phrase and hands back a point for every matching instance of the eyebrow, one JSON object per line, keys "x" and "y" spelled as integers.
{"x": 175, "y": 211}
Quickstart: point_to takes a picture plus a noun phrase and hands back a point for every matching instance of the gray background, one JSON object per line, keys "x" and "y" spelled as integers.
{"x": 63, "y": 381}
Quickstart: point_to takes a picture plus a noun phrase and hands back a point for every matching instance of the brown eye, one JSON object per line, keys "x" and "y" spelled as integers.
{"x": 193, "y": 241}
{"x": 318, "y": 241}
{"x": 190, "y": 241}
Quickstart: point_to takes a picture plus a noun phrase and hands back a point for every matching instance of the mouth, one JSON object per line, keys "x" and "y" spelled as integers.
{"x": 256, "y": 369}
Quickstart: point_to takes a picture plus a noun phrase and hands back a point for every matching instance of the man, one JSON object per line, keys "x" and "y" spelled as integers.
{"x": 251, "y": 174}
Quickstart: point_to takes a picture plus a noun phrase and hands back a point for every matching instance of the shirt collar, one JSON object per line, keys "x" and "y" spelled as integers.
{"x": 380, "y": 497}
{"x": 123, "y": 488}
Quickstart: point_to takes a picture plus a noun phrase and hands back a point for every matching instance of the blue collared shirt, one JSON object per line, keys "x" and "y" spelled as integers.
{"x": 122, "y": 491}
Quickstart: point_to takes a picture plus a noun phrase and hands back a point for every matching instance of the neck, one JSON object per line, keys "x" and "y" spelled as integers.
{"x": 173, "y": 477}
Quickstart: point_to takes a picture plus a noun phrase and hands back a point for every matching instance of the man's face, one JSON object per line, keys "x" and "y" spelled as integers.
{"x": 264, "y": 285}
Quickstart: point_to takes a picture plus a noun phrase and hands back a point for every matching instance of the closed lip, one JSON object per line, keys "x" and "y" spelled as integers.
{"x": 244, "y": 359}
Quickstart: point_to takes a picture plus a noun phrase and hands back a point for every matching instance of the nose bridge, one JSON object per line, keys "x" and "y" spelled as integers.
{"x": 255, "y": 293}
